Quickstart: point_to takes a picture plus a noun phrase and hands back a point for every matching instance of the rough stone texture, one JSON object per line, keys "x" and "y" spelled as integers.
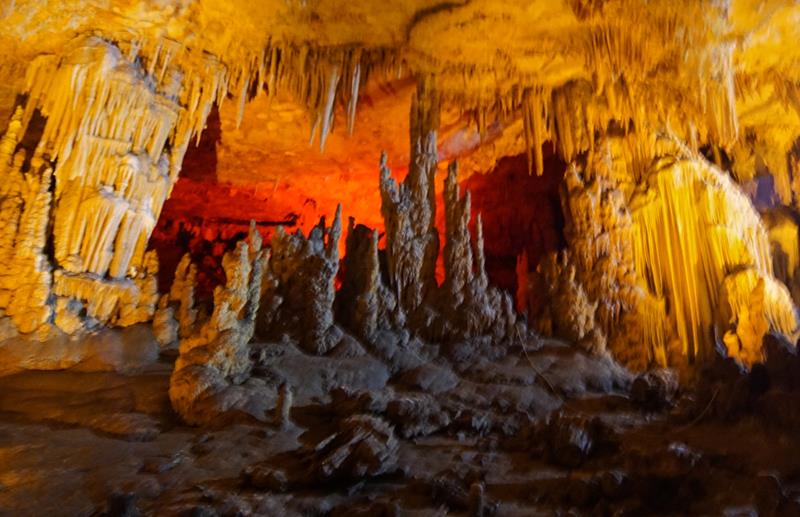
{"x": 364, "y": 304}
{"x": 299, "y": 288}
{"x": 655, "y": 389}
{"x": 364, "y": 446}
{"x": 218, "y": 356}
{"x": 312, "y": 377}
{"x": 417, "y": 415}
{"x": 126, "y": 351}
{"x": 409, "y": 209}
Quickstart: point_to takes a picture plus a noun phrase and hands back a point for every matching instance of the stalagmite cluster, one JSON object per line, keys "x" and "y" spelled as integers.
{"x": 299, "y": 287}
{"x": 290, "y": 296}
{"x": 468, "y": 306}
{"x": 215, "y": 357}
{"x": 409, "y": 209}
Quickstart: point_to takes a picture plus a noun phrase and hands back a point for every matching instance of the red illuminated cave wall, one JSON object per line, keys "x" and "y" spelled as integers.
{"x": 520, "y": 211}
{"x": 206, "y": 216}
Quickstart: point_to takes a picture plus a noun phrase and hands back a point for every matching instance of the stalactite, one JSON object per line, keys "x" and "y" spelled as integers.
{"x": 784, "y": 238}
{"x": 693, "y": 227}
{"x": 142, "y": 306}
{"x": 108, "y": 123}
{"x": 535, "y": 120}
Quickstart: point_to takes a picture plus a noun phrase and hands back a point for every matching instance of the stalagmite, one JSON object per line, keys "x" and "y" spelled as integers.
{"x": 598, "y": 232}
{"x": 364, "y": 304}
{"x": 409, "y": 209}
{"x": 465, "y": 306}
{"x": 165, "y": 326}
{"x": 457, "y": 250}
{"x": 182, "y": 294}
{"x": 570, "y": 313}
{"x": 30, "y": 277}
{"x": 215, "y": 359}
{"x": 283, "y": 408}
{"x": 299, "y": 292}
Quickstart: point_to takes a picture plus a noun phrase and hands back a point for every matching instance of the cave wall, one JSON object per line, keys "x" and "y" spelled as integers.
{"x": 521, "y": 213}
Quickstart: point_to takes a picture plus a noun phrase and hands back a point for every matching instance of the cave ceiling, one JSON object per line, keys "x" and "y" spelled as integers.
{"x": 481, "y": 50}
{"x": 511, "y": 75}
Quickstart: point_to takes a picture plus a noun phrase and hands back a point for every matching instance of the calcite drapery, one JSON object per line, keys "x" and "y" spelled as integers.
{"x": 113, "y": 126}
{"x": 694, "y": 229}
{"x": 674, "y": 253}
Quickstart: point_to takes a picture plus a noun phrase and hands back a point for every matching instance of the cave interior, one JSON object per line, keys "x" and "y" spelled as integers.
{"x": 399, "y": 257}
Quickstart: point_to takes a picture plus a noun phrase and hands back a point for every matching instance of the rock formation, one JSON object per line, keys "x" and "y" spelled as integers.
{"x": 656, "y": 244}
{"x": 299, "y": 287}
{"x": 215, "y": 359}
{"x": 409, "y": 209}
{"x": 695, "y": 203}
{"x": 570, "y": 312}
{"x": 91, "y": 170}
{"x": 395, "y": 378}
{"x": 364, "y": 303}
{"x": 599, "y": 232}
{"x": 468, "y": 306}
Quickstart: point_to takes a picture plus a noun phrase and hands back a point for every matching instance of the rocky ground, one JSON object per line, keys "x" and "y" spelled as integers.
{"x": 544, "y": 431}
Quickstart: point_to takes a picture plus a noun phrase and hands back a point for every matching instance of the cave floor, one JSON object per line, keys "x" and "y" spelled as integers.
{"x": 108, "y": 444}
